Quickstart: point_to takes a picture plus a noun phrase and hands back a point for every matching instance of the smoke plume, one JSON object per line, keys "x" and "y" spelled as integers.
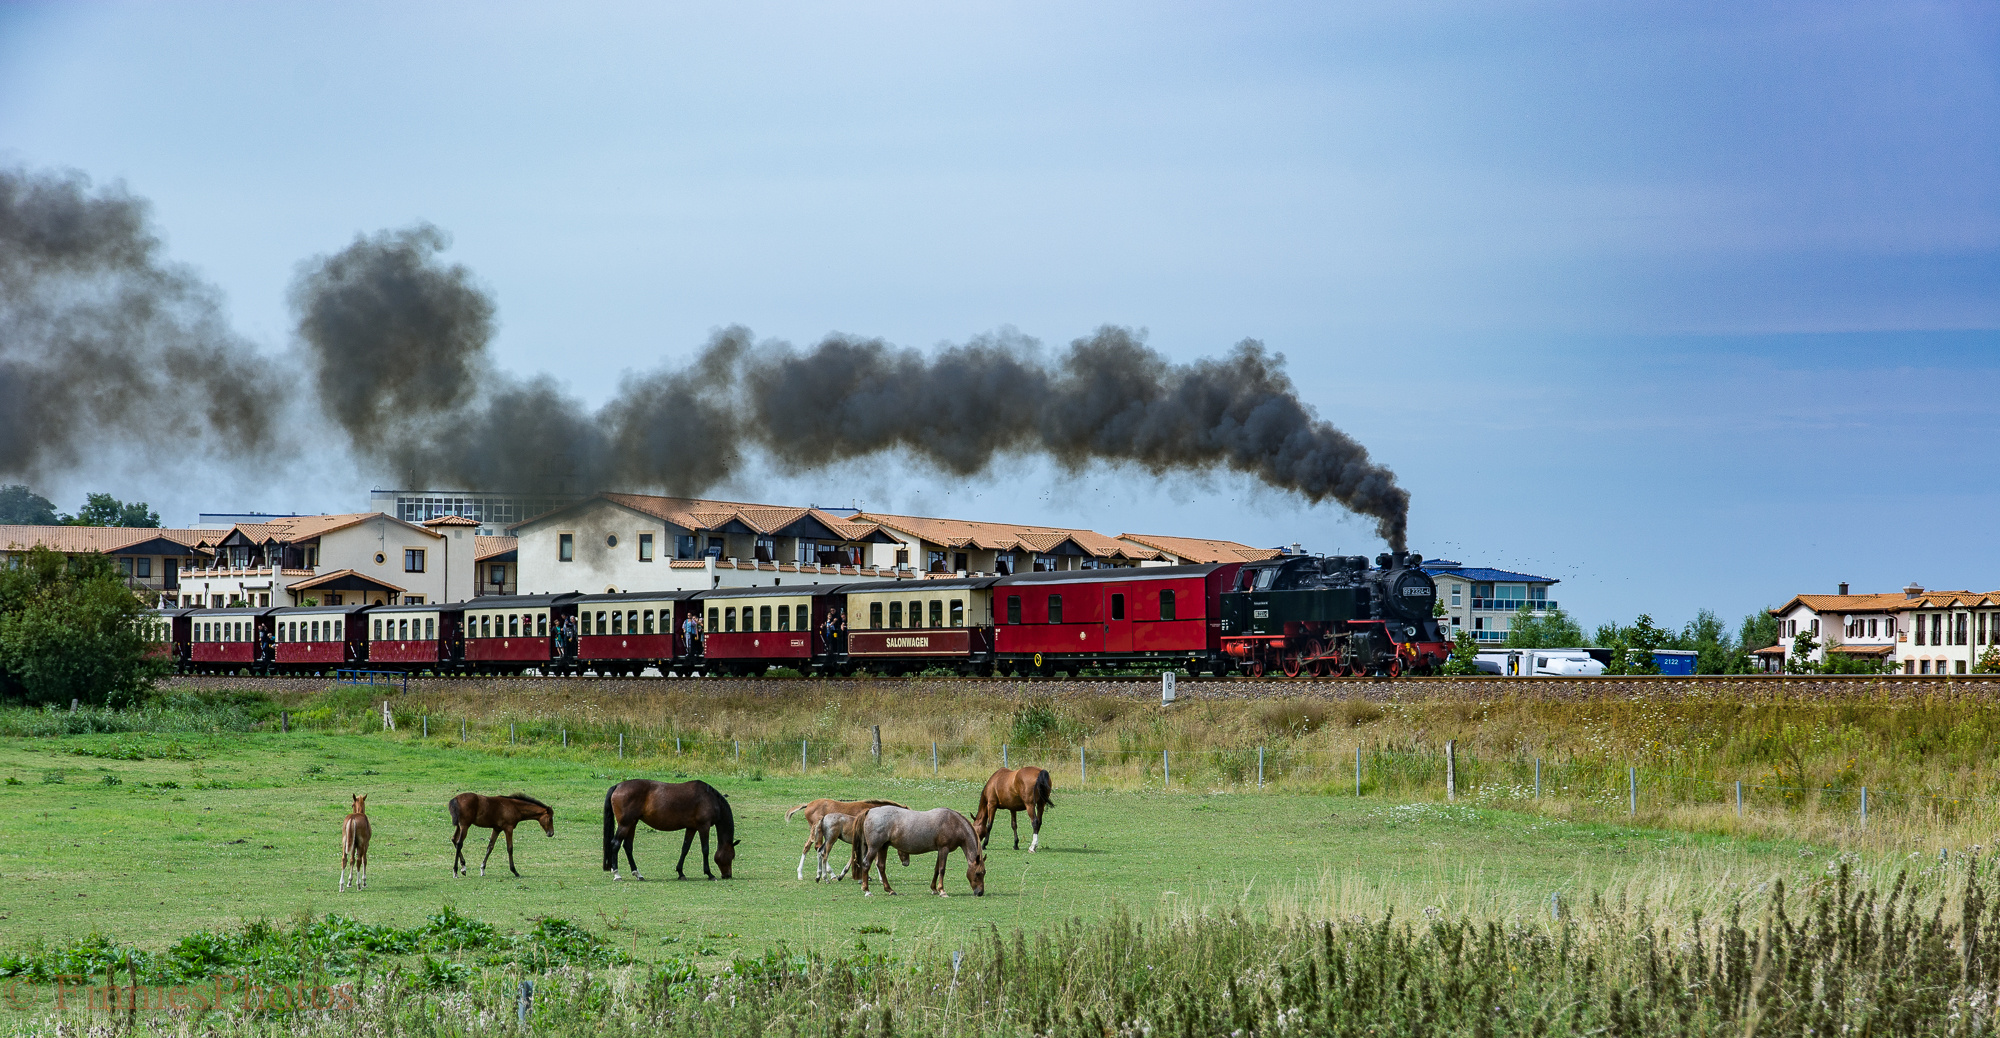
{"x": 106, "y": 345}
{"x": 399, "y": 339}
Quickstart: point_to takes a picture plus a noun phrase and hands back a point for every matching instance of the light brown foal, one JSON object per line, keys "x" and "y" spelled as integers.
{"x": 818, "y": 809}
{"x": 354, "y": 834}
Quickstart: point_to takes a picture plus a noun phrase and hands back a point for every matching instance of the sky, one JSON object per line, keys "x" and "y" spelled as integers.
{"x": 1688, "y": 305}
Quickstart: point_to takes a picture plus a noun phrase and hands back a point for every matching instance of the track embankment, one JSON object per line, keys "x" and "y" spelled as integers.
{"x": 1733, "y": 688}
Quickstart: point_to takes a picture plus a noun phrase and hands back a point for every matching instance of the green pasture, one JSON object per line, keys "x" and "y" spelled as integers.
{"x": 92, "y": 840}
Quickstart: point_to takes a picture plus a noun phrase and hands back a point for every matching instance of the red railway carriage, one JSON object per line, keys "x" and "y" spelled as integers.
{"x": 627, "y": 632}
{"x": 167, "y": 632}
{"x": 746, "y": 630}
{"x": 223, "y": 641}
{"x": 416, "y": 637}
{"x": 312, "y": 639}
{"x": 514, "y": 633}
{"x": 1092, "y": 617}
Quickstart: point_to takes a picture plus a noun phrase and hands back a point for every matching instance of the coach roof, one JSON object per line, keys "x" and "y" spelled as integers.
{"x": 1098, "y": 576}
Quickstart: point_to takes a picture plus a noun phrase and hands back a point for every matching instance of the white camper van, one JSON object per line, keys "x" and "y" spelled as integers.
{"x": 1549, "y": 663}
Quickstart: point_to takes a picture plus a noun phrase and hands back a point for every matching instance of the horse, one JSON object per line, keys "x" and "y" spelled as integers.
{"x": 694, "y": 806}
{"x": 500, "y": 814}
{"x": 940, "y": 830}
{"x": 817, "y": 809}
{"x": 834, "y": 829}
{"x": 1023, "y": 789}
{"x": 354, "y": 834}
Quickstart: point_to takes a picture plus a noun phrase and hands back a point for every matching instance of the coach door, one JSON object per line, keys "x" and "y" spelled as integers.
{"x": 1118, "y": 618}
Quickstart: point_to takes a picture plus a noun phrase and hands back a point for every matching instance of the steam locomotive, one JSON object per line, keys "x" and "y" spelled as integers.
{"x": 1294, "y": 614}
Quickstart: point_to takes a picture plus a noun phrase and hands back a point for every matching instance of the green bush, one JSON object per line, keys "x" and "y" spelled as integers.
{"x": 70, "y": 629}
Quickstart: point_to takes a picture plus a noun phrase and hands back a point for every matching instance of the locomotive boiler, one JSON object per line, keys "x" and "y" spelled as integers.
{"x": 1333, "y": 615}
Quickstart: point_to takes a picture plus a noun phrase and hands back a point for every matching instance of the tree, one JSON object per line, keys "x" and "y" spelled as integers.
{"x": 1549, "y": 629}
{"x": 1464, "y": 653}
{"x": 24, "y": 507}
{"x": 1632, "y": 647}
{"x": 1760, "y": 631}
{"x": 1715, "y": 651}
{"x": 70, "y": 629}
{"x": 105, "y": 510}
{"x": 1799, "y": 660}
{"x": 1989, "y": 661}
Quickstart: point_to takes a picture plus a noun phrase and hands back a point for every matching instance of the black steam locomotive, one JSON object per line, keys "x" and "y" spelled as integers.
{"x": 1332, "y": 615}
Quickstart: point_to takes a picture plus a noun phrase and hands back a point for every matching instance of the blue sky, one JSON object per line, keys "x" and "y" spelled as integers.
{"x": 1689, "y": 305}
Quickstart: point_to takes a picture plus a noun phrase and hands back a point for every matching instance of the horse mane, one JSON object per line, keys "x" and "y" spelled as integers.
{"x": 529, "y": 799}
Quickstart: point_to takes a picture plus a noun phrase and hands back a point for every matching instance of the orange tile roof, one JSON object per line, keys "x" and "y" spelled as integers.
{"x": 451, "y": 520}
{"x": 91, "y": 538}
{"x": 1951, "y": 600}
{"x": 325, "y": 578}
{"x": 987, "y": 536}
{"x": 1845, "y": 603}
{"x": 487, "y": 547}
{"x": 1861, "y": 650}
{"x": 1200, "y": 549}
{"x": 305, "y": 527}
{"x": 699, "y": 514}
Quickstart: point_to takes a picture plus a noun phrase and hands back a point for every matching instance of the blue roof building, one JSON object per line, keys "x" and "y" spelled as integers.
{"x": 1484, "y": 600}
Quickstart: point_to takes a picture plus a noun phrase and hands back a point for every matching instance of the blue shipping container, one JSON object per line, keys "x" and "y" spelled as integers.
{"x": 1674, "y": 661}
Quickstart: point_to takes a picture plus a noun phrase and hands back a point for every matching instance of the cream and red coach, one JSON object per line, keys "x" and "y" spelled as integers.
{"x": 628, "y": 632}
{"x": 224, "y": 641}
{"x": 749, "y": 629}
{"x": 515, "y": 633}
{"x": 416, "y": 637}
{"x": 899, "y": 625}
{"x": 314, "y": 639}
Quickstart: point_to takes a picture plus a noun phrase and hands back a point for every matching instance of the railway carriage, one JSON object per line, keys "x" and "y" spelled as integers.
{"x": 627, "y": 632}
{"x": 167, "y": 634}
{"x": 909, "y": 625}
{"x": 316, "y": 639}
{"x": 749, "y": 629}
{"x": 1154, "y": 614}
{"x": 425, "y": 636}
{"x": 224, "y": 641}
{"x": 515, "y": 633}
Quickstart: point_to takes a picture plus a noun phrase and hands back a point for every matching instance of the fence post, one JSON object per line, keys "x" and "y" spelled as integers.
{"x": 511, "y": 739}
{"x": 565, "y": 738}
{"x": 1003, "y": 754}
{"x": 878, "y": 744}
{"x": 1632, "y": 784}
{"x": 284, "y": 720}
{"x": 1538, "y": 778}
{"x": 1357, "y": 770}
{"x": 1739, "y": 798}
{"x": 1166, "y": 771}
{"x": 1864, "y": 807}
{"x": 677, "y": 745}
{"x": 461, "y": 729}
{"x": 1260, "y": 767}
{"x": 621, "y": 745}
{"x": 388, "y": 719}
{"x": 72, "y": 705}
{"x": 427, "y": 726}
{"x": 802, "y": 756}
{"x": 934, "y": 758}
{"x": 1451, "y": 769}
{"x": 739, "y": 751}
{"x": 1082, "y": 765}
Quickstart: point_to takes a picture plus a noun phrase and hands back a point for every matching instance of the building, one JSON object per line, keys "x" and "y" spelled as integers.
{"x": 492, "y": 512}
{"x": 616, "y": 542}
{"x": 352, "y": 559}
{"x": 962, "y": 546}
{"x": 1484, "y": 600}
{"x": 1189, "y": 551}
{"x": 151, "y": 559}
{"x": 1918, "y": 631}
{"x": 497, "y": 559}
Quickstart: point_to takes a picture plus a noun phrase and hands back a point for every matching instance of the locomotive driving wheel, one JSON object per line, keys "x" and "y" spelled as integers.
{"x": 1395, "y": 667}
{"x": 1291, "y": 662}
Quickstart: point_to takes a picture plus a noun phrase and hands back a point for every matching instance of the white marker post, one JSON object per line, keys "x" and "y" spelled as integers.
{"x": 1167, "y": 688}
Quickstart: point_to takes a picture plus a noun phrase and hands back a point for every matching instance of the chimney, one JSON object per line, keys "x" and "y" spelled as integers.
{"x": 1843, "y": 587}
{"x": 1912, "y": 589}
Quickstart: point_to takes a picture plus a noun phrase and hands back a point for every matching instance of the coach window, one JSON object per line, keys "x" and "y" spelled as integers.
{"x": 729, "y": 619}
{"x": 565, "y": 547}
{"x": 874, "y": 616}
{"x": 895, "y": 615}
{"x": 617, "y": 622}
{"x": 1166, "y": 605}
{"x": 957, "y": 612}
{"x": 645, "y": 547}
{"x": 648, "y": 615}
{"x": 402, "y": 630}
{"x": 430, "y": 628}
{"x": 763, "y": 618}
{"x": 784, "y": 618}
{"x": 513, "y": 625}
{"x": 805, "y": 621}
{"x": 937, "y": 613}
{"x": 713, "y": 622}
{"x": 315, "y": 630}
{"x": 1055, "y": 609}
{"x": 486, "y": 626}
{"x": 1118, "y": 607}
{"x": 1013, "y": 609}
{"x": 631, "y": 621}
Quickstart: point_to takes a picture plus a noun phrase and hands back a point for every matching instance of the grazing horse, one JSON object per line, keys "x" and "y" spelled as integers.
{"x": 1023, "y": 789}
{"x": 354, "y": 843}
{"x": 834, "y": 829}
{"x": 666, "y": 806}
{"x": 500, "y": 814}
{"x": 818, "y": 809}
{"x": 940, "y": 830}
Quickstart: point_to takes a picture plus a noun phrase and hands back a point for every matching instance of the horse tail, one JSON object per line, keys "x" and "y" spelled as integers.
{"x": 1043, "y": 787}
{"x": 610, "y": 832}
{"x": 796, "y": 810}
{"x": 454, "y": 812}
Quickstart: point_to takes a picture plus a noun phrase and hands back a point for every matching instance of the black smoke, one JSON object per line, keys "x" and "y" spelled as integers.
{"x": 107, "y": 346}
{"x": 399, "y": 338}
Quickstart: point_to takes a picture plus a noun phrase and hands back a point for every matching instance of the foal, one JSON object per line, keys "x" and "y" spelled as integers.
{"x": 500, "y": 814}
{"x": 818, "y": 809}
{"x": 354, "y": 843}
{"x": 834, "y": 829}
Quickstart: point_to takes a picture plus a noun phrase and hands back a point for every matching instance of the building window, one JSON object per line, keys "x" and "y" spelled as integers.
{"x": 958, "y": 562}
{"x": 1937, "y": 628}
{"x": 1004, "y": 565}
{"x": 565, "y": 547}
{"x": 874, "y": 616}
{"x": 902, "y": 556}
{"x": 1958, "y": 629}
{"x": 1055, "y": 609}
{"x": 645, "y": 547}
{"x": 498, "y": 574}
{"x": 1013, "y": 609}
{"x": 413, "y": 560}
{"x": 895, "y": 615}
{"x": 144, "y": 568}
{"x": 934, "y": 562}
{"x": 1923, "y": 666}
{"x": 1118, "y": 607}
{"x": 1958, "y": 666}
{"x": 1455, "y": 591}
{"x": 767, "y": 549}
{"x": 1167, "y": 605}
{"x": 1045, "y": 564}
{"x": 1871, "y": 628}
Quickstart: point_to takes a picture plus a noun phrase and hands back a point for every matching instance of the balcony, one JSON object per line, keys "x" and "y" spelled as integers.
{"x": 1510, "y": 605}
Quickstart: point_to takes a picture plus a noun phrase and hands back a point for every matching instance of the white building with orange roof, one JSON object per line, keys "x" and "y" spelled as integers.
{"x": 1919, "y": 631}
{"x": 953, "y": 546}
{"x": 639, "y": 542}
{"x": 1188, "y": 551}
{"x": 151, "y": 559}
{"x": 350, "y": 559}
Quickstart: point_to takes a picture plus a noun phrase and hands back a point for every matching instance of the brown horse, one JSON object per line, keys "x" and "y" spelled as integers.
{"x": 818, "y": 809}
{"x": 1023, "y": 789}
{"x": 354, "y": 834}
{"x": 666, "y": 806}
{"x": 940, "y": 830}
{"x": 500, "y": 814}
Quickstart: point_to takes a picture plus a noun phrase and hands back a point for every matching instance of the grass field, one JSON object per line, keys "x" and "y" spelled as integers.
{"x": 251, "y": 831}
